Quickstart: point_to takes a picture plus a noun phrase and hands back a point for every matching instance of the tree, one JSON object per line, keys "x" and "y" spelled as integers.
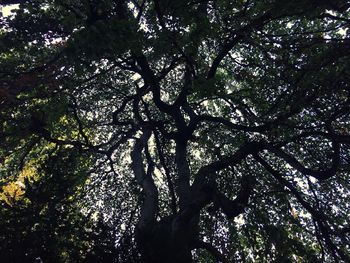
{"x": 215, "y": 131}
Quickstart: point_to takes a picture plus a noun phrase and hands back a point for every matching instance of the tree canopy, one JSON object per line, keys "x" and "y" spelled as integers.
{"x": 175, "y": 131}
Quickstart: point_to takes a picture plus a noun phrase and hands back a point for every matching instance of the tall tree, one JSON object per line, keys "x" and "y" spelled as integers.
{"x": 218, "y": 130}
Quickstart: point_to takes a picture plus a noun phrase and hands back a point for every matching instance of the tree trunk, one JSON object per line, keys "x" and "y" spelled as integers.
{"x": 167, "y": 241}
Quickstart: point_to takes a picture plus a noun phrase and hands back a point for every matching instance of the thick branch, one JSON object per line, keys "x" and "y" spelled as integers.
{"x": 320, "y": 175}
{"x": 150, "y": 204}
{"x": 234, "y": 159}
{"x": 204, "y": 190}
{"x": 167, "y": 174}
{"x": 233, "y": 208}
{"x": 183, "y": 180}
{"x": 151, "y": 80}
{"x": 234, "y": 126}
{"x": 239, "y": 34}
{"x": 11, "y": 2}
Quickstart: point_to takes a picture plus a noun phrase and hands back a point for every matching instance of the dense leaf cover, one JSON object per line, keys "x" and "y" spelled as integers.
{"x": 175, "y": 131}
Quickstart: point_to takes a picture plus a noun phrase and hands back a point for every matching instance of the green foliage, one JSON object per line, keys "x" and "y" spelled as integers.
{"x": 45, "y": 219}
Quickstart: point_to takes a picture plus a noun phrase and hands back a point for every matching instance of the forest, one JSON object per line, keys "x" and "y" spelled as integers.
{"x": 163, "y": 131}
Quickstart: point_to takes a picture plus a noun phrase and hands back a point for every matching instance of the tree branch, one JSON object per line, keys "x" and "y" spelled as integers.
{"x": 150, "y": 204}
{"x": 320, "y": 175}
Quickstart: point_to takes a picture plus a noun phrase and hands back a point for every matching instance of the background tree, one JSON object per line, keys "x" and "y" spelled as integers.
{"x": 203, "y": 131}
